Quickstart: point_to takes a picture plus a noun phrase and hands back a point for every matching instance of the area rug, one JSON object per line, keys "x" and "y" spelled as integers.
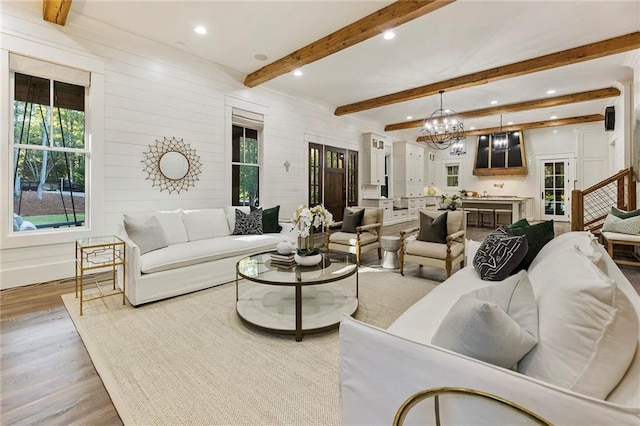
{"x": 190, "y": 360}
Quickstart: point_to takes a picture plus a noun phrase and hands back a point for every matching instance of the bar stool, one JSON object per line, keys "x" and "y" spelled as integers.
{"x": 473, "y": 218}
{"x": 483, "y": 214}
{"x": 502, "y": 213}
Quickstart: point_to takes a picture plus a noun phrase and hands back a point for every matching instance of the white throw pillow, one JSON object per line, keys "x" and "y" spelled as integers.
{"x": 588, "y": 328}
{"x": 205, "y": 223}
{"x": 172, "y": 225}
{"x": 630, "y": 225}
{"x": 146, "y": 232}
{"x": 497, "y": 324}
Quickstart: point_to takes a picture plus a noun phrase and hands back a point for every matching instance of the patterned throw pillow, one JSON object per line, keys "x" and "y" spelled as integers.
{"x": 500, "y": 254}
{"x": 623, "y": 226}
{"x": 270, "y": 219}
{"x": 248, "y": 223}
{"x": 538, "y": 235}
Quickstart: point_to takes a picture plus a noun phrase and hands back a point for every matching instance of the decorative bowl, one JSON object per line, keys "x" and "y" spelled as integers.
{"x": 310, "y": 260}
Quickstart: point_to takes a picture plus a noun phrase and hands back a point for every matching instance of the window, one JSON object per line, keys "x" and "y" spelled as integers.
{"x": 50, "y": 151}
{"x": 245, "y": 178}
{"x": 453, "y": 172}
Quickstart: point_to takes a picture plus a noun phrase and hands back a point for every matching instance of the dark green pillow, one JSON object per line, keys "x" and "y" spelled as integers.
{"x": 537, "y": 236}
{"x": 623, "y": 214}
{"x": 351, "y": 220}
{"x": 522, "y": 223}
{"x": 433, "y": 230}
{"x": 270, "y": 222}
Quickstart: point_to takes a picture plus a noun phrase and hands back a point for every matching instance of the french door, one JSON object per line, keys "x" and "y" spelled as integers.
{"x": 555, "y": 191}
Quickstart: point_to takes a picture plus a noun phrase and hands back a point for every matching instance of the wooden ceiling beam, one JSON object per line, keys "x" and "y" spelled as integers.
{"x": 521, "y": 106}
{"x": 370, "y": 26}
{"x": 533, "y": 125}
{"x": 575, "y": 55}
{"x": 56, "y": 11}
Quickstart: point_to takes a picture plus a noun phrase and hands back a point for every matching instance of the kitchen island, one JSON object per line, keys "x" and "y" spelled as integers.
{"x": 518, "y": 205}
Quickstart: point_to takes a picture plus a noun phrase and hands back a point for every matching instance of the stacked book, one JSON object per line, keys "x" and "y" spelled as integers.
{"x": 283, "y": 260}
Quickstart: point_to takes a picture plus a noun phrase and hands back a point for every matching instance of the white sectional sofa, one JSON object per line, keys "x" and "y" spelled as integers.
{"x": 200, "y": 251}
{"x": 380, "y": 369}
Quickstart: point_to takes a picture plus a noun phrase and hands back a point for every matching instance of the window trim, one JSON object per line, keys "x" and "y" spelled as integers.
{"x": 446, "y": 175}
{"x": 258, "y": 129}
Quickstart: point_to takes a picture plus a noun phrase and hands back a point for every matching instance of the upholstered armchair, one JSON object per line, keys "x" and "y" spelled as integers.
{"x": 439, "y": 251}
{"x": 356, "y": 238}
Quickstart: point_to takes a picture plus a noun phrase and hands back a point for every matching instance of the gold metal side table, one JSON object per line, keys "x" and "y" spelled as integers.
{"x": 96, "y": 255}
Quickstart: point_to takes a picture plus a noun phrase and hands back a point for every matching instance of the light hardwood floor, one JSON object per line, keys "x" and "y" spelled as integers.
{"x": 46, "y": 374}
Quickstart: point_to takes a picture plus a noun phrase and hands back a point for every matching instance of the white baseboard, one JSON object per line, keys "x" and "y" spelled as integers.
{"x": 19, "y": 277}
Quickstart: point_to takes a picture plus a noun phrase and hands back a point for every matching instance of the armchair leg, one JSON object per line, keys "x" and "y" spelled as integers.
{"x": 401, "y": 262}
{"x": 448, "y": 268}
{"x": 379, "y": 252}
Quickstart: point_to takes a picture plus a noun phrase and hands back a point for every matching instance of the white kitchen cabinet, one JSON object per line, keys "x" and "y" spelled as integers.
{"x": 408, "y": 169}
{"x": 373, "y": 159}
{"x": 382, "y": 203}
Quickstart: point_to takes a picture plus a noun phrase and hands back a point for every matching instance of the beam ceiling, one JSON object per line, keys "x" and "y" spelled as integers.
{"x": 56, "y": 11}
{"x": 370, "y": 26}
{"x": 575, "y": 55}
{"x": 521, "y": 106}
{"x": 533, "y": 125}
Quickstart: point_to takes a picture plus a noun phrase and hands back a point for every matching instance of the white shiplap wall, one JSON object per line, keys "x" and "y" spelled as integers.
{"x": 152, "y": 91}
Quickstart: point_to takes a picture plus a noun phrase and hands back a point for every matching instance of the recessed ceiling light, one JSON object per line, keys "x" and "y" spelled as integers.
{"x": 493, "y": 102}
{"x": 551, "y": 92}
{"x": 200, "y": 30}
{"x": 555, "y": 131}
{"x": 472, "y": 128}
{"x": 509, "y": 123}
{"x": 409, "y": 117}
{"x": 388, "y": 35}
{"x": 260, "y": 57}
{"x": 553, "y": 117}
{"x": 297, "y": 73}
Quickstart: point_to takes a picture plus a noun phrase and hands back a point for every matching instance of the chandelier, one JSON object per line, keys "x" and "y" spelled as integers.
{"x": 499, "y": 140}
{"x": 442, "y": 128}
{"x": 459, "y": 147}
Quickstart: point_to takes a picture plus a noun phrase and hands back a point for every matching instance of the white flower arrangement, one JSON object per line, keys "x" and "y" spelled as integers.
{"x": 306, "y": 219}
{"x": 450, "y": 202}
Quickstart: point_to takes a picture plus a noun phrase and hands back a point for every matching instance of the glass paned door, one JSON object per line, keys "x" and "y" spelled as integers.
{"x": 555, "y": 190}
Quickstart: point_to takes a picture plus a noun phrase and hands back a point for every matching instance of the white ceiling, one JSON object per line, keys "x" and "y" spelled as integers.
{"x": 461, "y": 38}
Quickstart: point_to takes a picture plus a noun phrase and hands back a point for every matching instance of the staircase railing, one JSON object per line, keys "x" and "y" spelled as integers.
{"x": 590, "y": 207}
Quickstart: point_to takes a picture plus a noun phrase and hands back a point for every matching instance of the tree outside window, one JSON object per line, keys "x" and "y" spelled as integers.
{"x": 245, "y": 167}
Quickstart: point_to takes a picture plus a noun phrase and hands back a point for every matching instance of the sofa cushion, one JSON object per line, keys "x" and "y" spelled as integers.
{"x": 584, "y": 240}
{"x": 269, "y": 219}
{"x": 537, "y": 235}
{"x": 230, "y": 212}
{"x": 200, "y": 251}
{"x": 624, "y": 214}
{"x": 433, "y": 230}
{"x": 499, "y": 255}
{"x": 351, "y": 220}
{"x": 205, "y": 223}
{"x": 248, "y": 223}
{"x": 172, "y": 226}
{"x": 629, "y": 226}
{"x": 146, "y": 232}
{"x": 497, "y": 324}
{"x": 588, "y": 329}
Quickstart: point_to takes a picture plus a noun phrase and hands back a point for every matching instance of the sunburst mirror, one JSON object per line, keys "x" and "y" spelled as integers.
{"x": 172, "y": 165}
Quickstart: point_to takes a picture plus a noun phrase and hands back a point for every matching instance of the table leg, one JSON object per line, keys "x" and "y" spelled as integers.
{"x": 298, "y": 313}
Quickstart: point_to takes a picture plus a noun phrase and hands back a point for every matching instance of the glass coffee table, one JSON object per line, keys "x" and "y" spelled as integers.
{"x": 297, "y": 299}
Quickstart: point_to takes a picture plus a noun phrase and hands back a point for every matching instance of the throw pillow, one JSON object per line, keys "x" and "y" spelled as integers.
{"x": 351, "y": 220}
{"x": 588, "y": 330}
{"x": 497, "y": 324}
{"x": 623, "y": 226}
{"x": 205, "y": 223}
{"x": 624, "y": 214}
{"x": 500, "y": 254}
{"x": 146, "y": 232}
{"x": 522, "y": 223}
{"x": 433, "y": 230}
{"x": 248, "y": 223}
{"x": 537, "y": 236}
{"x": 270, "y": 219}
{"x": 584, "y": 240}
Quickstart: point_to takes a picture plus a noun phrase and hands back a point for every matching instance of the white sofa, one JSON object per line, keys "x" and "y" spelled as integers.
{"x": 380, "y": 369}
{"x": 201, "y": 252}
